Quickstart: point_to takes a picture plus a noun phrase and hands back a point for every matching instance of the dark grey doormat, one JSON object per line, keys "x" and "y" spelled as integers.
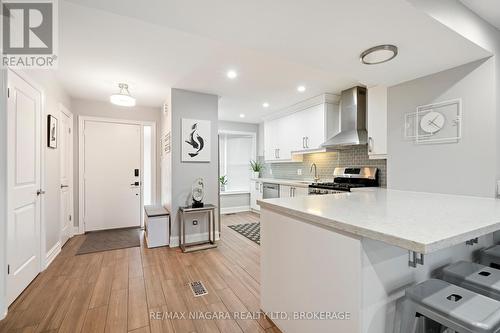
{"x": 106, "y": 240}
{"x": 249, "y": 230}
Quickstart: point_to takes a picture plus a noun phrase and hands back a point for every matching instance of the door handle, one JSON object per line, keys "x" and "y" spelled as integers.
{"x": 135, "y": 184}
{"x": 64, "y": 186}
{"x": 39, "y": 192}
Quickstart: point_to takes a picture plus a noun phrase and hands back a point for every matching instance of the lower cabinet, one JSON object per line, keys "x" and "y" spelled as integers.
{"x": 292, "y": 191}
{"x": 255, "y": 194}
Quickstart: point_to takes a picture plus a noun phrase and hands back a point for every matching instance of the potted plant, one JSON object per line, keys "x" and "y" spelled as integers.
{"x": 257, "y": 167}
{"x": 223, "y": 183}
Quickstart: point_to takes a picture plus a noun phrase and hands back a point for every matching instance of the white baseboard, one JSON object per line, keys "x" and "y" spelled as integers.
{"x": 232, "y": 210}
{"x": 76, "y": 231}
{"x": 52, "y": 254}
{"x": 192, "y": 238}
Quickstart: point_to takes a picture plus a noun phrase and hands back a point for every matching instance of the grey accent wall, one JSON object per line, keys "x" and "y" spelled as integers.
{"x": 90, "y": 108}
{"x": 179, "y": 176}
{"x": 326, "y": 162}
{"x": 468, "y": 167}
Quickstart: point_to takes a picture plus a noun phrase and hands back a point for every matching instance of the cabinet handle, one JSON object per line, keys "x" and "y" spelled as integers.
{"x": 303, "y": 142}
{"x": 307, "y": 142}
{"x": 370, "y": 144}
{"x": 278, "y": 151}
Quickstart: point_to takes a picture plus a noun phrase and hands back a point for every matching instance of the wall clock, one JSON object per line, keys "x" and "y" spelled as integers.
{"x": 432, "y": 122}
{"x": 435, "y": 123}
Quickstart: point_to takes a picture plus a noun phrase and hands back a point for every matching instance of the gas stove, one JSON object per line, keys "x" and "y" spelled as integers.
{"x": 346, "y": 179}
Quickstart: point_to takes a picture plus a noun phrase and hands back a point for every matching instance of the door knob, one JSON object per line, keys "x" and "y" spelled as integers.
{"x": 38, "y": 192}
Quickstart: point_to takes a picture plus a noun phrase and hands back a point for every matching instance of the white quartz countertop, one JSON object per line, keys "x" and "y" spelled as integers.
{"x": 417, "y": 221}
{"x": 289, "y": 182}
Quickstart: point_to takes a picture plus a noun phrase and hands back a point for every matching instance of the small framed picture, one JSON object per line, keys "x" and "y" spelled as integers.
{"x": 52, "y": 132}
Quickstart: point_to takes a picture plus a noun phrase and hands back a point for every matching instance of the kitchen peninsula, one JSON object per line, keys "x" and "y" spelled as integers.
{"x": 356, "y": 252}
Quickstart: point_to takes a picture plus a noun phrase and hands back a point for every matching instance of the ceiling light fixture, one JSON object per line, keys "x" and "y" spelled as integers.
{"x": 242, "y": 115}
{"x": 301, "y": 88}
{"x": 379, "y": 54}
{"x": 123, "y": 98}
{"x": 265, "y": 105}
{"x": 232, "y": 74}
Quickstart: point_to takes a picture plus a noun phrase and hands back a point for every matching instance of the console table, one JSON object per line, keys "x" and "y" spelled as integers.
{"x": 210, "y": 243}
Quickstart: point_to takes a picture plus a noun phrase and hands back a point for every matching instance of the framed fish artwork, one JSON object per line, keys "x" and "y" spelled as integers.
{"x": 195, "y": 140}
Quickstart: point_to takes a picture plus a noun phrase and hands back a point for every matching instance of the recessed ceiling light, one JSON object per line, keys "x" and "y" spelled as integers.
{"x": 232, "y": 74}
{"x": 265, "y": 105}
{"x": 378, "y": 54}
{"x": 123, "y": 98}
{"x": 242, "y": 115}
{"x": 301, "y": 88}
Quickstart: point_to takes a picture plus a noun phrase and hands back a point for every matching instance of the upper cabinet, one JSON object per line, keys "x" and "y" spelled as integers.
{"x": 303, "y": 128}
{"x": 377, "y": 122}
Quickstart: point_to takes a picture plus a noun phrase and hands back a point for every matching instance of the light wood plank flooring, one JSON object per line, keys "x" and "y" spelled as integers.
{"x": 116, "y": 291}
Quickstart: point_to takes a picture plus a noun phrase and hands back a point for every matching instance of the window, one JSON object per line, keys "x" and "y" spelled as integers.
{"x": 236, "y": 151}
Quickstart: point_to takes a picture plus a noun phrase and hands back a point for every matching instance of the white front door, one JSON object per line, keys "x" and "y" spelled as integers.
{"x": 112, "y": 190}
{"x": 66, "y": 173}
{"x": 23, "y": 184}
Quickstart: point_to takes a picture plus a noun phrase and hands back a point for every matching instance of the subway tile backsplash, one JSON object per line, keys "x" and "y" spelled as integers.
{"x": 326, "y": 162}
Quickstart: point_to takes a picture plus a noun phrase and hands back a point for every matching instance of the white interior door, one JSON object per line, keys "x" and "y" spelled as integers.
{"x": 66, "y": 173}
{"x": 112, "y": 190}
{"x": 24, "y": 173}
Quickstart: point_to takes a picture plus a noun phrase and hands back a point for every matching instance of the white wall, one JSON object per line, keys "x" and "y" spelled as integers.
{"x": 178, "y": 177}
{"x": 467, "y": 167}
{"x": 83, "y": 107}
{"x": 459, "y": 18}
{"x": 3, "y": 190}
{"x": 53, "y": 94}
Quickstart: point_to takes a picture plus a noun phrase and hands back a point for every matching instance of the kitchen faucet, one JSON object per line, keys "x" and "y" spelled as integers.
{"x": 316, "y": 177}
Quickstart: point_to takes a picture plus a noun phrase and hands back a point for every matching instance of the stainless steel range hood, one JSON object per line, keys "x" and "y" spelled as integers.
{"x": 352, "y": 120}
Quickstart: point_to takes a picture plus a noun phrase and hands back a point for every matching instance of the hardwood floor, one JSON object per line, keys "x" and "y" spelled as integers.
{"x": 135, "y": 289}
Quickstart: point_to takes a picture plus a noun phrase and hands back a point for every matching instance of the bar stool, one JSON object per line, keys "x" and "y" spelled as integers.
{"x": 481, "y": 279}
{"x": 490, "y": 256}
{"x": 456, "y": 308}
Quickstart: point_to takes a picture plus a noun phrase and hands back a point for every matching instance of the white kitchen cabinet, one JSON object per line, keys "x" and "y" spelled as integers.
{"x": 293, "y": 191}
{"x": 255, "y": 194}
{"x": 303, "y": 129}
{"x": 377, "y": 122}
{"x": 285, "y": 191}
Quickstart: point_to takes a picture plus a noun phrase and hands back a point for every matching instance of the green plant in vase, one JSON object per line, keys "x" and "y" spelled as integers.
{"x": 223, "y": 183}
{"x": 256, "y": 167}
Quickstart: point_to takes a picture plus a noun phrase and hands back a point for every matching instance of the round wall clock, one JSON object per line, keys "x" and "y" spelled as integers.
{"x": 432, "y": 122}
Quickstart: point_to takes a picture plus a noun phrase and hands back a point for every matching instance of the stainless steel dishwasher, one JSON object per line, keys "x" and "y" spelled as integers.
{"x": 271, "y": 191}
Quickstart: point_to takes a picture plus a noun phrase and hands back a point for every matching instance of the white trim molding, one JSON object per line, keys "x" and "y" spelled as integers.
{"x": 52, "y": 254}
{"x": 236, "y": 209}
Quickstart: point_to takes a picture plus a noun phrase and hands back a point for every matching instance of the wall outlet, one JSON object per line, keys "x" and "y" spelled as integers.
{"x": 299, "y": 172}
{"x": 195, "y": 222}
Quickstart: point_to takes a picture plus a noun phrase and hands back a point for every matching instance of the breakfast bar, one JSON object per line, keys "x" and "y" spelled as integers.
{"x": 355, "y": 253}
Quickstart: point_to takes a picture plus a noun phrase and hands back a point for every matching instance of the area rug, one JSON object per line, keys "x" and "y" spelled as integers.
{"x": 107, "y": 240}
{"x": 249, "y": 230}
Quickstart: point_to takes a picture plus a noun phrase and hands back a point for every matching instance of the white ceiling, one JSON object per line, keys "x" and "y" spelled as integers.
{"x": 273, "y": 45}
{"x": 489, "y": 10}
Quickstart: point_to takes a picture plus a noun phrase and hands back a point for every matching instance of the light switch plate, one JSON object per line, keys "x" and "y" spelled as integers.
{"x": 299, "y": 172}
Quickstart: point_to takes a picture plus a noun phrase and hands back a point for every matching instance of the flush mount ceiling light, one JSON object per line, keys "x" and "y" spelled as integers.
{"x": 242, "y": 115}
{"x": 123, "y": 98}
{"x": 232, "y": 74}
{"x": 379, "y": 54}
{"x": 265, "y": 105}
{"x": 301, "y": 88}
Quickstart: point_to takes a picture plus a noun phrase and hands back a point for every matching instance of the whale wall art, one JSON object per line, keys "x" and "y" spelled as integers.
{"x": 195, "y": 140}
